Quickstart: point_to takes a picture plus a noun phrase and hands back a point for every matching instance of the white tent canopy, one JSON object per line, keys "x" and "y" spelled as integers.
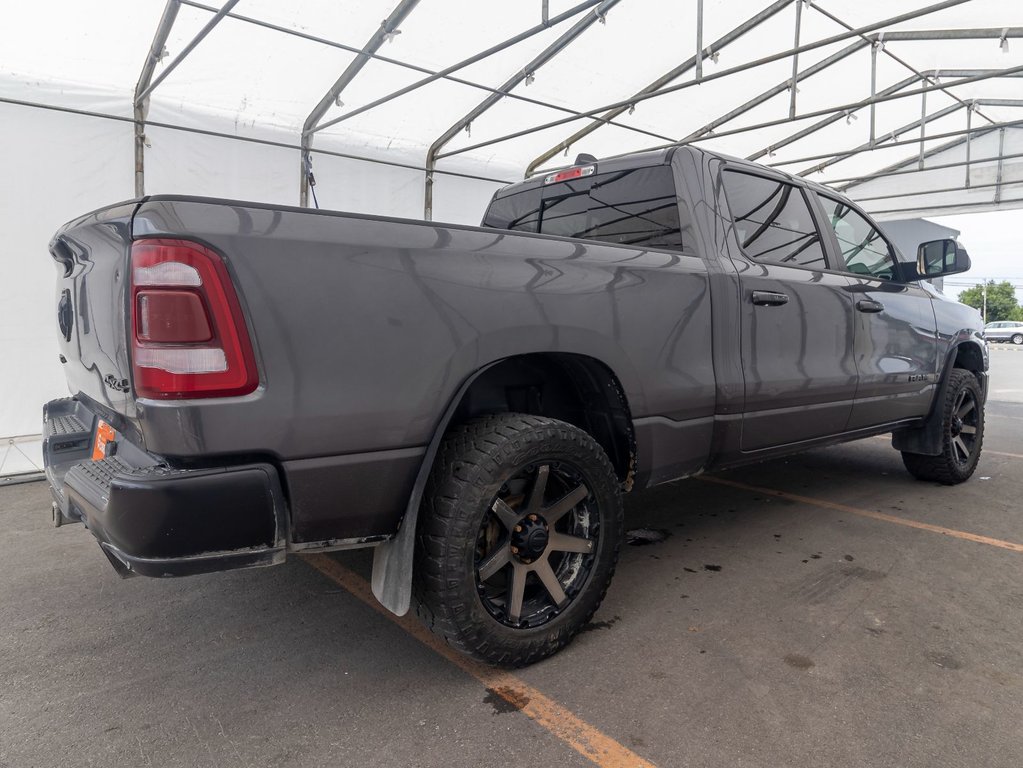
{"x": 424, "y": 107}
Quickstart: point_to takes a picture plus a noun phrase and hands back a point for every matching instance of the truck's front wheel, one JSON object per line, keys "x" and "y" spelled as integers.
{"x": 518, "y": 537}
{"x": 962, "y": 425}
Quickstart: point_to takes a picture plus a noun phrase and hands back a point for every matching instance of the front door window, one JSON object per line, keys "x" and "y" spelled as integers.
{"x": 864, "y": 250}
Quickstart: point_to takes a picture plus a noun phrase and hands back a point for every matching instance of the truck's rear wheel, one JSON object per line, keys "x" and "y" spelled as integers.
{"x": 518, "y": 537}
{"x": 962, "y": 426}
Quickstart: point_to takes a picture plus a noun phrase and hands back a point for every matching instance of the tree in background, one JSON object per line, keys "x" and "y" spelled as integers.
{"x": 1001, "y": 301}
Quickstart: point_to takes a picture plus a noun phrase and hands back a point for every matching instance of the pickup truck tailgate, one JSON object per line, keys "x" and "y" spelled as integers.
{"x": 90, "y": 305}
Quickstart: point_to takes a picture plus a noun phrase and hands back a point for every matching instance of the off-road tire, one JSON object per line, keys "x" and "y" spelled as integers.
{"x": 474, "y": 461}
{"x": 947, "y": 467}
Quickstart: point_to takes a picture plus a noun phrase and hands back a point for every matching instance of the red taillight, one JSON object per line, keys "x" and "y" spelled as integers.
{"x": 188, "y": 335}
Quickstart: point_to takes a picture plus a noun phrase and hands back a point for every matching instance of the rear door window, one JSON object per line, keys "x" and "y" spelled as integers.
{"x": 773, "y": 221}
{"x": 636, "y": 207}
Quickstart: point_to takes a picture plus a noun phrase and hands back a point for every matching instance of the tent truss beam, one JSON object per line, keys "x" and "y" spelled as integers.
{"x": 866, "y": 40}
{"x": 447, "y": 72}
{"x": 716, "y": 75}
{"x": 854, "y": 180}
{"x": 934, "y": 210}
{"x": 839, "y": 111}
{"x": 868, "y": 35}
{"x": 890, "y": 137}
{"x": 907, "y": 35}
{"x": 877, "y": 41}
{"x": 901, "y": 167}
{"x": 219, "y": 16}
{"x": 525, "y": 74}
{"x": 333, "y": 96}
{"x": 432, "y": 75}
{"x": 668, "y": 77}
{"x": 943, "y": 190}
{"x": 892, "y": 93}
{"x": 916, "y": 141}
{"x": 775, "y": 91}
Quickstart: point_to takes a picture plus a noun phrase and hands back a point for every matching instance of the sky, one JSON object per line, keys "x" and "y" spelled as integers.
{"x": 994, "y": 241}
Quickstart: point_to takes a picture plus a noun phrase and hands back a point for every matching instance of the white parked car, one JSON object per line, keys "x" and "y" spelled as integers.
{"x": 1004, "y": 330}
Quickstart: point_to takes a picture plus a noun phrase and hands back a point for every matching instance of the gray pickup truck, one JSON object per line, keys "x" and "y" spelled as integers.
{"x": 250, "y": 381}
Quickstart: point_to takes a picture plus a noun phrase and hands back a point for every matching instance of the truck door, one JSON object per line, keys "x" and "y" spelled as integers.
{"x": 896, "y": 346}
{"x": 797, "y": 324}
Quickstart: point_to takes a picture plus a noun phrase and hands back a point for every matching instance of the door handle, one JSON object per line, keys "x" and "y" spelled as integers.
{"x": 769, "y": 299}
{"x": 866, "y": 305}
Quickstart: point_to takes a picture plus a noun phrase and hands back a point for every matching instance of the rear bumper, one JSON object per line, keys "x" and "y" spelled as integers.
{"x": 154, "y": 520}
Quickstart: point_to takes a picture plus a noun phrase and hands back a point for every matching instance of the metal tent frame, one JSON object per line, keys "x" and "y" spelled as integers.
{"x": 878, "y": 36}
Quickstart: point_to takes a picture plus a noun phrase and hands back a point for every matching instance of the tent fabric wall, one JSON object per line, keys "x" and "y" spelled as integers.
{"x": 57, "y": 166}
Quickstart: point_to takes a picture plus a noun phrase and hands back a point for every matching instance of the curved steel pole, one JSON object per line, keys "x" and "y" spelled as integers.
{"x": 199, "y": 37}
{"x": 525, "y": 73}
{"x": 384, "y": 32}
{"x": 140, "y": 102}
{"x": 716, "y": 75}
{"x": 663, "y": 80}
{"x": 447, "y": 72}
{"x": 889, "y": 138}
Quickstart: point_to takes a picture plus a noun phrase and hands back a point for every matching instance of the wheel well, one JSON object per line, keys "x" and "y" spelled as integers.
{"x": 573, "y": 388}
{"x": 968, "y": 356}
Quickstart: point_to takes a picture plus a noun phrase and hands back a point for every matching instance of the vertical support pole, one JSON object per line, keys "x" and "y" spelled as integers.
{"x": 998, "y": 175}
{"x": 545, "y": 12}
{"x": 873, "y": 92}
{"x": 428, "y": 198}
{"x": 969, "y": 119}
{"x": 140, "y": 102}
{"x": 140, "y": 151}
{"x": 303, "y": 189}
{"x": 923, "y": 125}
{"x": 795, "y": 61}
{"x": 387, "y": 29}
{"x": 699, "y": 39}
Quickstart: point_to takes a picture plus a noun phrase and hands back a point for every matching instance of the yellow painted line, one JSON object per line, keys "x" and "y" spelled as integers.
{"x": 540, "y": 708}
{"x": 1002, "y": 453}
{"x": 1010, "y": 545}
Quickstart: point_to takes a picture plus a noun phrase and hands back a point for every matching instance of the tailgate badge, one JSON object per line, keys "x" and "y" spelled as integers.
{"x": 65, "y": 318}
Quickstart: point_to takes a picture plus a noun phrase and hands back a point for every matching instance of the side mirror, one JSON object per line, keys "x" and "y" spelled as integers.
{"x": 941, "y": 257}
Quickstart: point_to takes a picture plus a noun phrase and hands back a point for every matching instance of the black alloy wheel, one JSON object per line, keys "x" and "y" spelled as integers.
{"x": 535, "y": 554}
{"x": 962, "y": 425}
{"x": 518, "y": 537}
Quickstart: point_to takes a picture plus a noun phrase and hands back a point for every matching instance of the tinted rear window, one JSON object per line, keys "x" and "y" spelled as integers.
{"x": 635, "y": 207}
{"x": 773, "y": 221}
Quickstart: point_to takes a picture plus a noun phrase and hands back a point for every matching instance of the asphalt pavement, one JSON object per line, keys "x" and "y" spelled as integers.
{"x": 825, "y": 609}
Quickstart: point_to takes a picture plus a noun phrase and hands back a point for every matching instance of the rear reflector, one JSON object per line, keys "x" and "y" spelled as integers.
{"x": 189, "y": 337}
{"x": 571, "y": 173}
{"x": 192, "y": 360}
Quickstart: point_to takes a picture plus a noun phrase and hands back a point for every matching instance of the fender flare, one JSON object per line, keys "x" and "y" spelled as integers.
{"x": 927, "y": 439}
{"x": 392, "y": 560}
